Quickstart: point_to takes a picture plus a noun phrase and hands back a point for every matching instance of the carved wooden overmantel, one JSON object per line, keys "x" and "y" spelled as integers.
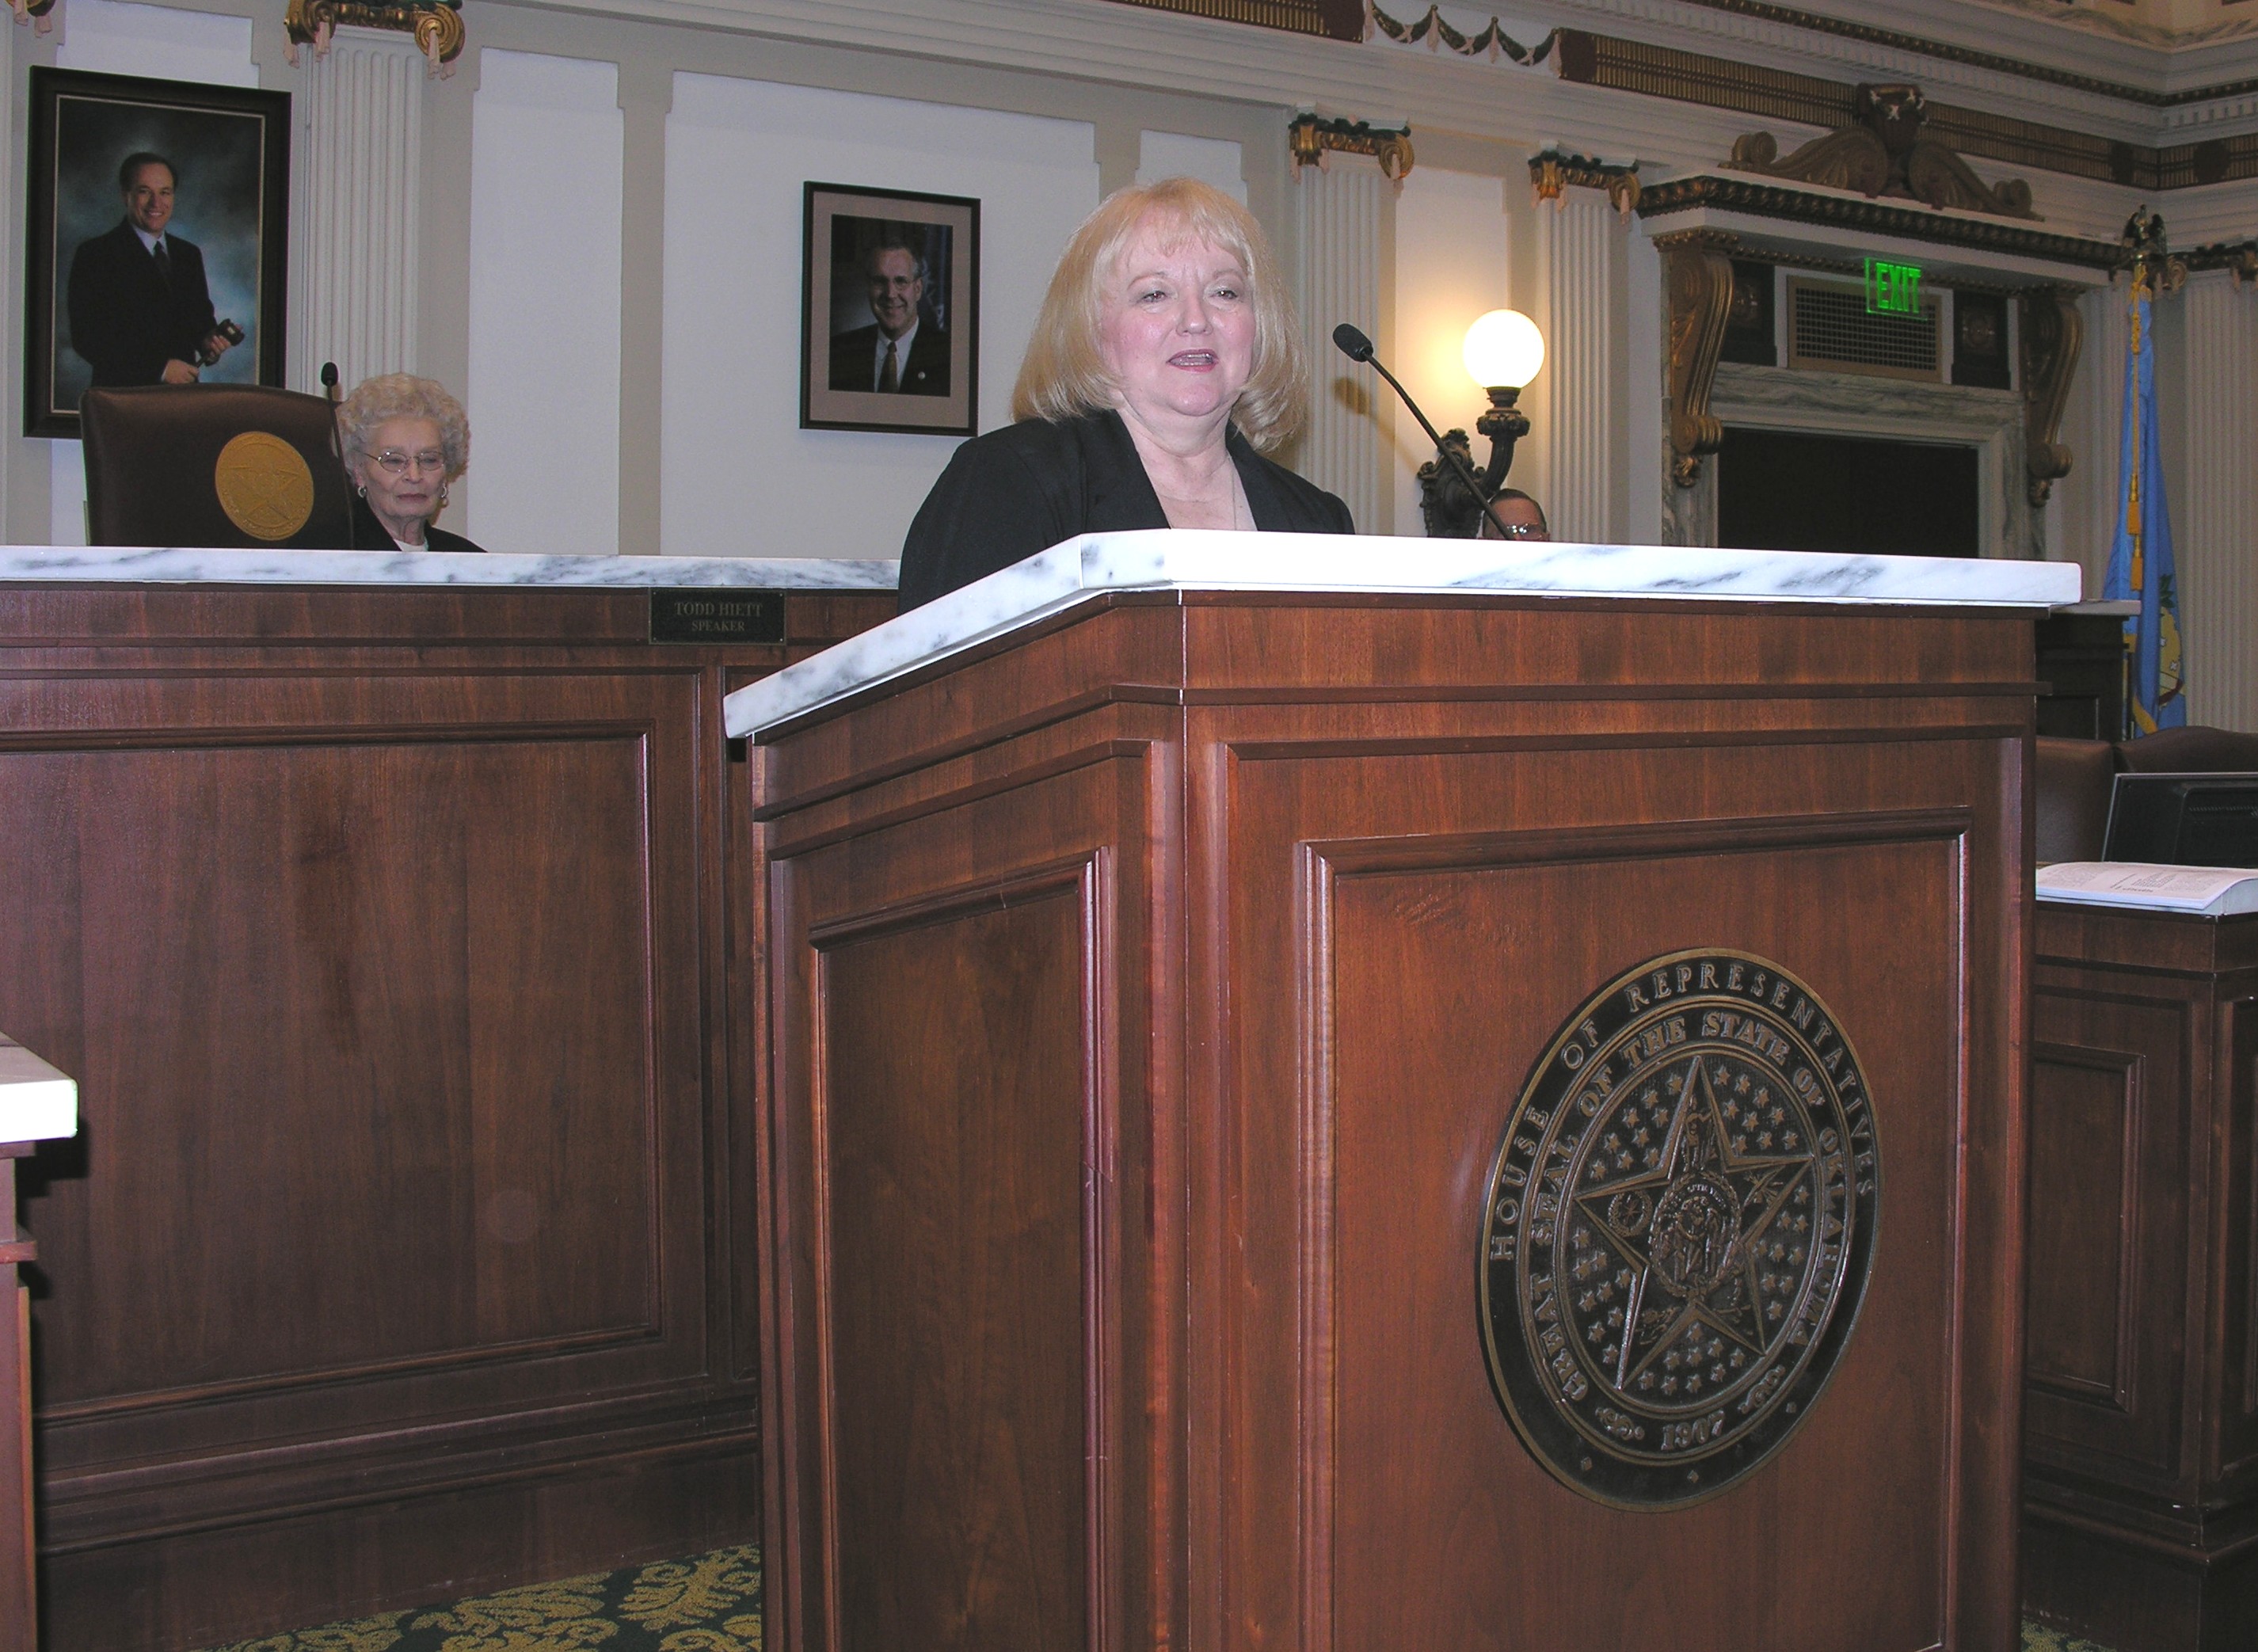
{"x": 1884, "y": 152}
{"x": 1698, "y": 289}
{"x": 2052, "y": 333}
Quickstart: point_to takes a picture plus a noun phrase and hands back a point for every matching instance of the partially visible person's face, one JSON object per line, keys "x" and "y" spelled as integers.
{"x": 1176, "y": 329}
{"x": 1521, "y": 518}
{"x": 410, "y": 496}
{"x": 895, "y": 291}
{"x": 149, "y": 197}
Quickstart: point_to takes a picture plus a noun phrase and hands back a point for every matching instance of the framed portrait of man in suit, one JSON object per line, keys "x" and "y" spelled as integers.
{"x": 157, "y": 245}
{"x": 889, "y": 334}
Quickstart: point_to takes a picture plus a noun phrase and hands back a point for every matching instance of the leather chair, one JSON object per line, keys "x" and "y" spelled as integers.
{"x": 242, "y": 466}
{"x": 2073, "y": 779}
{"x": 2196, "y": 750}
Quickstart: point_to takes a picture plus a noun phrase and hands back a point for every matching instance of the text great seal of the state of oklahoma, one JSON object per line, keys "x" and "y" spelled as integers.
{"x": 1678, "y": 1227}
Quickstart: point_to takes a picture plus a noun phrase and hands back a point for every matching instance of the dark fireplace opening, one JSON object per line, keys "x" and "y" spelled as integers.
{"x": 1783, "y": 490}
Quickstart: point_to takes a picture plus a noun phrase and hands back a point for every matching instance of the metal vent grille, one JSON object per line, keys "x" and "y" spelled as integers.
{"x": 1828, "y": 328}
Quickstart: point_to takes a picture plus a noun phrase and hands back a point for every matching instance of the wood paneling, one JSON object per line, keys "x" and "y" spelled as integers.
{"x": 2084, "y": 1159}
{"x": 953, "y": 1126}
{"x": 1353, "y": 861}
{"x": 2140, "y": 1523}
{"x": 386, "y": 932}
{"x": 1419, "y": 1085}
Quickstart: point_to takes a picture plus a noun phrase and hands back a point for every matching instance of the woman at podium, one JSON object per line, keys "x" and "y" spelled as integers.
{"x": 405, "y": 439}
{"x": 1166, "y": 357}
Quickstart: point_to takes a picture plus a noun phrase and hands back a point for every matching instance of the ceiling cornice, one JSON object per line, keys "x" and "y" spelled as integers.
{"x": 2138, "y": 93}
{"x": 1999, "y": 63}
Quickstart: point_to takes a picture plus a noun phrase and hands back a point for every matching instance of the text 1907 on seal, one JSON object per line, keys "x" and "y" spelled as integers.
{"x": 1679, "y": 1225}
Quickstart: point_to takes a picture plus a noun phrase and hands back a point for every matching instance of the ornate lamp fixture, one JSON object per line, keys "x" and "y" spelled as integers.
{"x": 1503, "y": 351}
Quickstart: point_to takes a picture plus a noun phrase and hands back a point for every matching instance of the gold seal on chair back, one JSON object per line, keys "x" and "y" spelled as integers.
{"x": 264, "y": 486}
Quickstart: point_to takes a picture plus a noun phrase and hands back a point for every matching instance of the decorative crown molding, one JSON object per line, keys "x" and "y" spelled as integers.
{"x": 436, "y": 24}
{"x": 1884, "y": 152}
{"x": 1552, "y": 174}
{"x": 1820, "y": 23}
{"x": 1752, "y": 89}
{"x": 1916, "y": 223}
{"x": 1493, "y": 42}
{"x": 1335, "y": 19}
{"x": 1311, "y": 140}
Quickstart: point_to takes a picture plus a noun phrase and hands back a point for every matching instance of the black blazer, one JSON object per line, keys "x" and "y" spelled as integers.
{"x": 1022, "y": 489}
{"x": 853, "y": 361}
{"x": 369, "y": 533}
{"x": 125, "y": 319}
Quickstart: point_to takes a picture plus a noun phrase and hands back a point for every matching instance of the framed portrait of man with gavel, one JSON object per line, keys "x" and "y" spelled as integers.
{"x": 890, "y": 308}
{"x": 158, "y": 242}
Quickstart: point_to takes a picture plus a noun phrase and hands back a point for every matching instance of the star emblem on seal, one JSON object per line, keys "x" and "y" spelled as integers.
{"x": 1693, "y": 1228}
{"x": 1679, "y": 1226}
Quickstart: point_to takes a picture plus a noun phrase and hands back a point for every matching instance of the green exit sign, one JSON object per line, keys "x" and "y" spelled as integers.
{"x": 1893, "y": 289}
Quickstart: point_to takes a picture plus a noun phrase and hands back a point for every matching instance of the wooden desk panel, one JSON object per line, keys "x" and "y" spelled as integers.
{"x": 2140, "y": 1498}
{"x": 392, "y": 948}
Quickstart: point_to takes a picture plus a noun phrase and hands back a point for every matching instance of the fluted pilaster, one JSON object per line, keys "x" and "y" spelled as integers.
{"x": 2216, "y": 525}
{"x": 1347, "y": 249}
{"x": 2091, "y": 425}
{"x": 356, "y": 196}
{"x": 1582, "y": 245}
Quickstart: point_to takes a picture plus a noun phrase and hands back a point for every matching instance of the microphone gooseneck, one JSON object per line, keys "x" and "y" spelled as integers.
{"x": 1358, "y": 348}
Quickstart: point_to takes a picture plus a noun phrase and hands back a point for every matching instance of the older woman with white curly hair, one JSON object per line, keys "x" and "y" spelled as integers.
{"x": 1166, "y": 356}
{"x": 404, "y": 440}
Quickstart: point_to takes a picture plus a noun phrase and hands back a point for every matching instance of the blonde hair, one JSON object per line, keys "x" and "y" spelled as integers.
{"x": 401, "y": 395}
{"x": 1063, "y": 375}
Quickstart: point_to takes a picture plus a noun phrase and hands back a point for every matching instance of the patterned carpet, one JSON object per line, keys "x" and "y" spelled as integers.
{"x": 710, "y": 1603}
{"x": 2039, "y": 1639}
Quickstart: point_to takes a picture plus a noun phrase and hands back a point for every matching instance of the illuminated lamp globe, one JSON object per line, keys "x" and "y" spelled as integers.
{"x": 1503, "y": 349}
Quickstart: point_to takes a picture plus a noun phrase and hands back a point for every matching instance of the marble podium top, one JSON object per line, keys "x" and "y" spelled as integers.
{"x": 37, "y": 1104}
{"x": 1096, "y": 563}
{"x": 125, "y": 565}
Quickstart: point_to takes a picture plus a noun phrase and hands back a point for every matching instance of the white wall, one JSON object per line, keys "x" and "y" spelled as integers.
{"x": 547, "y": 170}
{"x": 1449, "y": 267}
{"x": 738, "y": 476}
{"x": 107, "y": 37}
{"x": 1215, "y": 161}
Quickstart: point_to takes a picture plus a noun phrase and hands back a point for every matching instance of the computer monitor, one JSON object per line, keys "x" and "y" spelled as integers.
{"x": 2184, "y": 819}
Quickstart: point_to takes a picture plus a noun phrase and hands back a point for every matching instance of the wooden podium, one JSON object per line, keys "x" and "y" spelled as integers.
{"x": 1157, "y": 959}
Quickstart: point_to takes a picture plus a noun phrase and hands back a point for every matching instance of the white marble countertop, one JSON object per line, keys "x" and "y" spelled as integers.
{"x": 1088, "y": 567}
{"x": 132, "y": 565}
{"x": 36, "y": 1102}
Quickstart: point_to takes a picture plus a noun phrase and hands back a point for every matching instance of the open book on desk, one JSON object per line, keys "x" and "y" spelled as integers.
{"x": 2212, "y": 891}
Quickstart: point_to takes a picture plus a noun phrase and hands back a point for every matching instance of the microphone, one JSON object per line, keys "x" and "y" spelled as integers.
{"x": 1358, "y": 348}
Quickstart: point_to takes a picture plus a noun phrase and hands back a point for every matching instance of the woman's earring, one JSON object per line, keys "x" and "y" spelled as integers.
{"x": 443, "y": 496}
{"x": 362, "y": 490}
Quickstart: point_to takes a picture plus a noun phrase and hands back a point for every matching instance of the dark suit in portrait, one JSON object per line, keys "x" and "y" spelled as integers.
{"x": 855, "y": 358}
{"x": 126, "y": 318}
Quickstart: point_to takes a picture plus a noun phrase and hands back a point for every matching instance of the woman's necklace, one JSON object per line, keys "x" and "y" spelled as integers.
{"x": 1220, "y": 503}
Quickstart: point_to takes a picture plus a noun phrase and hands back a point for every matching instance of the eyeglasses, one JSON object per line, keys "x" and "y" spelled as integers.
{"x": 399, "y": 464}
{"x": 1520, "y": 530}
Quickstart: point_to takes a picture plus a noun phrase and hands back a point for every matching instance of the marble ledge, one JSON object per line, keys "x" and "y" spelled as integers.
{"x": 37, "y": 1104}
{"x": 1082, "y": 569}
{"x": 65, "y": 565}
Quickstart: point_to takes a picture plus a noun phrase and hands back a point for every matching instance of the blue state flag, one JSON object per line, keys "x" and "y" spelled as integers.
{"x": 2141, "y": 566}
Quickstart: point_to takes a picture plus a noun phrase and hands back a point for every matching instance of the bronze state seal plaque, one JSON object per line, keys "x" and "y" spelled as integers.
{"x": 1679, "y": 1223}
{"x": 264, "y": 486}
